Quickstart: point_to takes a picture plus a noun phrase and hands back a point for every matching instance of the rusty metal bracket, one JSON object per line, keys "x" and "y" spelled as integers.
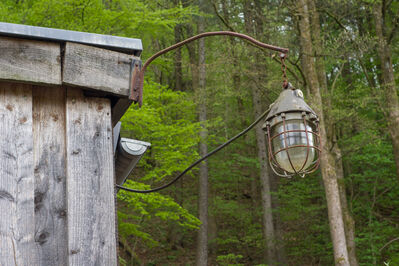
{"x": 137, "y": 72}
{"x": 136, "y": 81}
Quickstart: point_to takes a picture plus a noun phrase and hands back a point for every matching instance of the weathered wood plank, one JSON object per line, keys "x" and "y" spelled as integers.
{"x": 50, "y": 176}
{"x": 17, "y": 225}
{"x": 97, "y": 68}
{"x": 30, "y": 61}
{"x": 90, "y": 181}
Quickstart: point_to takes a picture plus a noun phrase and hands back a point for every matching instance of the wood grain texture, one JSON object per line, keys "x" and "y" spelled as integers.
{"x": 30, "y": 61}
{"x": 50, "y": 175}
{"x": 97, "y": 68}
{"x": 17, "y": 242}
{"x": 90, "y": 181}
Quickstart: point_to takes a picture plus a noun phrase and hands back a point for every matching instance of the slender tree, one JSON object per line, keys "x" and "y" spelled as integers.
{"x": 331, "y": 134}
{"x": 328, "y": 166}
{"x": 253, "y": 26}
{"x": 202, "y": 241}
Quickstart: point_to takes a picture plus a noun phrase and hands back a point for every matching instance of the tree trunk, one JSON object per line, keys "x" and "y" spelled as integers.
{"x": 349, "y": 223}
{"x": 281, "y": 255}
{"x": 202, "y": 241}
{"x": 267, "y": 224}
{"x": 388, "y": 81}
{"x": 317, "y": 44}
{"x": 328, "y": 167}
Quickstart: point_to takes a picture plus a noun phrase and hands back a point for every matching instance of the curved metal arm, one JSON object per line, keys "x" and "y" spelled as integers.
{"x": 201, "y": 159}
{"x": 136, "y": 93}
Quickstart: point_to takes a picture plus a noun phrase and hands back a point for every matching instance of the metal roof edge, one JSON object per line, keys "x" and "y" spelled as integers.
{"x": 116, "y": 43}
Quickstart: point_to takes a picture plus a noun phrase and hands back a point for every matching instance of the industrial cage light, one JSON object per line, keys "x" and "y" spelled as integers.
{"x": 293, "y": 139}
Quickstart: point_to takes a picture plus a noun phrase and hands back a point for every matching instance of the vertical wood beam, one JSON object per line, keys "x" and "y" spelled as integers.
{"x": 90, "y": 181}
{"x": 50, "y": 176}
{"x": 17, "y": 243}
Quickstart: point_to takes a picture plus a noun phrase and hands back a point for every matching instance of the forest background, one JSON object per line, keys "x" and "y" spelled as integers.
{"x": 343, "y": 55}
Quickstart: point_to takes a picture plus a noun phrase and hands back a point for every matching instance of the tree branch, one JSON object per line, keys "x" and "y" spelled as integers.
{"x": 334, "y": 18}
{"x": 299, "y": 69}
{"x": 389, "y": 242}
{"x": 224, "y": 21}
{"x": 337, "y": 76}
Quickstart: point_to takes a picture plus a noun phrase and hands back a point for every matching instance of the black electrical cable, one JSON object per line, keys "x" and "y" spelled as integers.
{"x": 201, "y": 159}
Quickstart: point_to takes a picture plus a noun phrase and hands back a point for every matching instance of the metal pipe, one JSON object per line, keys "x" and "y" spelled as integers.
{"x": 136, "y": 93}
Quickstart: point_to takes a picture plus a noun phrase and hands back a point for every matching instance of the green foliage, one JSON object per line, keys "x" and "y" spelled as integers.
{"x": 121, "y": 17}
{"x": 303, "y": 210}
{"x": 144, "y": 207}
{"x": 229, "y": 259}
{"x": 173, "y": 135}
{"x": 122, "y": 262}
{"x": 167, "y": 121}
{"x": 374, "y": 199}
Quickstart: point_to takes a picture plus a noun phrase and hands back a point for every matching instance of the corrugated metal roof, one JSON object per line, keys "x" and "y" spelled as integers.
{"x": 120, "y": 44}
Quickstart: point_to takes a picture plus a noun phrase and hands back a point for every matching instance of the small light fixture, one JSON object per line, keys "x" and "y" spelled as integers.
{"x": 128, "y": 154}
{"x": 292, "y": 130}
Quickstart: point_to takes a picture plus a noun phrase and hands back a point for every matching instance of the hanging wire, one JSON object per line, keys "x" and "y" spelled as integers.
{"x": 201, "y": 159}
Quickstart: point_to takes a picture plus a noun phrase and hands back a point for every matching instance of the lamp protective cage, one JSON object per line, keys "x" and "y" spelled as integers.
{"x": 293, "y": 136}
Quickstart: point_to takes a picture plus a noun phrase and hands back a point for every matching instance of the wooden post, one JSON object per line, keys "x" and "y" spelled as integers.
{"x": 17, "y": 226}
{"x": 50, "y": 174}
{"x": 57, "y": 182}
{"x": 90, "y": 182}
